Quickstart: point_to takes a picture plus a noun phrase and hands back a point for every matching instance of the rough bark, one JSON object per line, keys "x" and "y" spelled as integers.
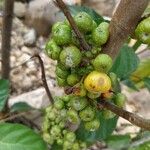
{"x": 123, "y": 24}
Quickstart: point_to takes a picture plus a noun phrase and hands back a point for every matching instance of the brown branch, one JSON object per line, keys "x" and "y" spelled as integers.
{"x": 133, "y": 118}
{"x": 6, "y": 37}
{"x": 123, "y": 24}
{"x": 43, "y": 76}
{"x": 60, "y": 4}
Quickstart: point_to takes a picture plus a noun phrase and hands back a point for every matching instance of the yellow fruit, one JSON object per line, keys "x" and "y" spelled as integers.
{"x": 97, "y": 82}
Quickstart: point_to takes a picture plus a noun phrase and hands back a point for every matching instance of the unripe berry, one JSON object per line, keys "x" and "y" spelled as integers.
{"x": 102, "y": 63}
{"x": 120, "y": 100}
{"x": 76, "y": 146}
{"x": 61, "y": 82}
{"x": 73, "y": 116}
{"x": 97, "y": 82}
{"x": 107, "y": 114}
{"x": 100, "y": 34}
{"x": 62, "y": 34}
{"x": 92, "y": 125}
{"x": 60, "y": 141}
{"x": 84, "y": 22}
{"x": 47, "y": 138}
{"x": 73, "y": 79}
{"x": 52, "y": 50}
{"x": 96, "y": 50}
{"x": 56, "y": 26}
{"x": 142, "y": 31}
{"x": 70, "y": 136}
{"x": 67, "y": 145}
{"x": 55, "y": 131}
{"x": 78, "y": 103}
{"x": 93, "y": 95}
{"x": 59, "y": 104}
{"x": 87, "y": 114}
{"x": 61, "y": 73}
{"x": 70, "y": 56}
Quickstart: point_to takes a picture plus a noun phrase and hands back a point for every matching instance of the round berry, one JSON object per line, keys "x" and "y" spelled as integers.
{"x": 107, "y": 114}
{"x": 102, "y": 63}
{"x": 97, "y": 82}
{"x": 70, "y": 56}
{"x": 73, "y": 116}
{"x": 70, "y": 136}
{"x": 61, "y": 82}
{"x": 73, "y": 79}
{"x": 92, "y": 125}
{"x": 61, "y": 73}
{"x": 59, "y": 104}
{"x": 120, "y": 100}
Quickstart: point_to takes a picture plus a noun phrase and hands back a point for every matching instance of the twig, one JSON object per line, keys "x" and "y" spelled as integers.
{"x": 44, "y": 78}
{"x": 60, "y": 4}
{"x": 133, "y": 118}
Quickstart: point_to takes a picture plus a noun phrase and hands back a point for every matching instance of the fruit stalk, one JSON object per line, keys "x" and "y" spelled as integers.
{"x": 60, "y": 4}
{"x": 131, "y": 117}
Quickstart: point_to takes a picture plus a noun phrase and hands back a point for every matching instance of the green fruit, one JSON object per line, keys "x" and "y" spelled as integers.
{"x": 61, "y": 82}
{"x": 107, "y": 114}
{"x": 93, "y": 95}
{"x": 62, "y": 124}
{"x": 76, "y": 146}
{"x": 52, "y": 115}
{"x": 56, "y": 26}
{"x": 55, "y": 131}
{"x": 61, "y": 66}
{"x": 102, "y": 63}
{"x": 80, "y": 90}
{"x": 83, "y": 145}
{"x": 67, "y": 145}
{"x": 59, "y": 104}
{"x": 74, "y": 40}
{"x": 66, "y": 98}
{"x": 84, "y": 22}
{"x": 63, "y": 113}
{"x": 73, "y": 116}
{"x": 62, "y": 34}
{"x": 92, "y": 125}
{"x": 94, "y": 25}
{"x": 73, "y": 79}
{"x": 88, "y": 54}
{"x": 70, "y": 56}
{"x": 101, "y": 33}
{"x": 142, "y": 31}
{"x": 52, "y": 49}
{"x": 61, "y": 73}
{"x": 114, "y": 82}
{"x": 47, "y": 138}
{"x": 70, "y": 136}
{"x": 48, "y": 109}
{"x": 46, "y": 124}
{"x": 87, "y": 114}
{"x": 78, "y": 103}
{"x": 60, "y": 141}
{"x": 120, "y": 100}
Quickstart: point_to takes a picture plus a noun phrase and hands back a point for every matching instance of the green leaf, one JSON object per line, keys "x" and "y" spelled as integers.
{"x": 106, "y": 129}
{"x": 20, "y": 107}
{"x": 4, "y": 93}
{"x": 126, "y": 62}
{"x": 118, "y": 142}
{"x": 96, "y": 17}
{"x": 19, "y": 137}
{"x": 147, "y": 83}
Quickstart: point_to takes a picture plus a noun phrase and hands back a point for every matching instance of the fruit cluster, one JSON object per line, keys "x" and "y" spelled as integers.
{"x": 55, "y": 130}
{"x": 85, "y": 76}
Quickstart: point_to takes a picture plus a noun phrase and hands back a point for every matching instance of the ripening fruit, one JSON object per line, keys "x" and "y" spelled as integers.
{"x": 107, "y": 114}
{"x": 70, "y": 56}
{"x": 78, "y": 103}
{"x": 52, "y": 49}
{"x": 102, "y": 63}
{"x": 61, "y": 73}
{"x": 142, "y": 31}
{"x": 92, "y": 125}
{"x": 97, "y": 82}
{"x": 87, "y": 114}
{"x": 73, "y": 79}
{"x": 62, "y": 34}
{"x": 84, "y": 22}
{"x": 101, "y": 33}
{"x": 120, "y": 100}
{"x": 61, "y": 82}
{"x": 80, "y": 90}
